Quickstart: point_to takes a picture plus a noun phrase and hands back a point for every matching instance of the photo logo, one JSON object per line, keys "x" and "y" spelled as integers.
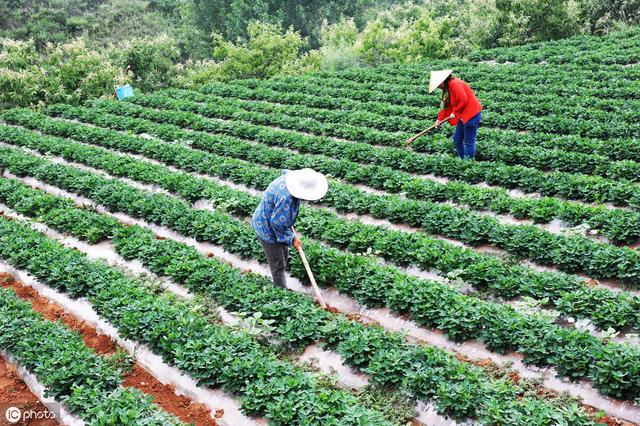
{"x": 13, "y": 415}
{"x": 26, "y": 413}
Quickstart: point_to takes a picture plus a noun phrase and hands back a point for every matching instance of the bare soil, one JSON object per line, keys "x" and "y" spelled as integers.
{"x": 14, "y": 392}
{"x": 163, "y": 395}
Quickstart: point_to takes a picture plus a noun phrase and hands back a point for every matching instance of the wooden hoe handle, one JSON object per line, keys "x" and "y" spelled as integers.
{"x": 316, "y": 289}
{"x": 424, "y": 132}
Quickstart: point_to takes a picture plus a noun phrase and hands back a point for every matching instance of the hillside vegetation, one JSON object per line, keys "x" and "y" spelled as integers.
{"x": 69, "y": 51}
{"x": 503, "y": 275}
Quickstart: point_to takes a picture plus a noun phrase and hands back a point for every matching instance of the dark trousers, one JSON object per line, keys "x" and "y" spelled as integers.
{"x": 464, "y": 137}
{"x": 277, "y": 255}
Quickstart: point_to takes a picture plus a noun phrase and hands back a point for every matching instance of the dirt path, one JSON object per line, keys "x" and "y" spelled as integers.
{"x": 14, "y": 392}
{"x": 163, "y": 395}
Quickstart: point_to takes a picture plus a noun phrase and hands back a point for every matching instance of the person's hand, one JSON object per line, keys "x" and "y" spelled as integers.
{"x": 297, "y": 243}
{"x": 438, "y": 123}
{"x": 451, "y": 117}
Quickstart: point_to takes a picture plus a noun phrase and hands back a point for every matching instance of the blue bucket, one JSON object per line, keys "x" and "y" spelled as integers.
{"x": 124, "y": 91}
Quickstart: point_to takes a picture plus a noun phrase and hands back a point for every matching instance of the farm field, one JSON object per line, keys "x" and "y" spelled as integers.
{"x": 502, "y": 291}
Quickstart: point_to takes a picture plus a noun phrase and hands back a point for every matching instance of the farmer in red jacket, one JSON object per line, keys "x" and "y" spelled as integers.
{"x": 460, "y": 107}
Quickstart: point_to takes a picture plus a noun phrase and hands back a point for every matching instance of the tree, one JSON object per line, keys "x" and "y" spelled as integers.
{"x": 267, "y": 52}
{"x": 151, "y": 61}
{"x": 524, "y": 21}
{"x": 425, "y": 38}
{"x": 67, "y": 73}
{"x": 603, "y": 15}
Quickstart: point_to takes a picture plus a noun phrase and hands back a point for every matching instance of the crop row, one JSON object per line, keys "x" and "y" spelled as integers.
{"x": 587, "y": 188}
{"x": 589, "y": 116}
{"x": 494, "y": 87}
{"x": 568, "y": 293}
{"x": 615, "y": 48}
{"x": 361, "y": 115}
{"x": 418, "y": 95}
{"x": 601, "y": 79}
{"x": 614, "y": 55}
{"x": 511, "y": 82}
{"x": 213, "y": 354}
{"x": 496, "y": 102}
{"x": 382, "y": 117}
{"x": 612, "y": 82}
{"x": 386, "y": 178}
{"x": 298, "y": 321}
{"x": 71, "y": 372}
{"x": 577, "y": 107}
{"x": 381, "y": 354}
{"x": 567, "y": 252}
{"x": 461, "y": 317}
{"x": 511, "y": 115}
{"x": 328, "y": 122}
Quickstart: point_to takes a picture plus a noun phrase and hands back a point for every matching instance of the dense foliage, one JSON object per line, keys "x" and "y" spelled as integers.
{"x": 238, "y": 237}
{"x": 360, "y": 345}
{"x": 182, "y": 337}
{"x": 61, "y": 73}
{"x": 510, "y": 252}
{"x": 161, "y": 43}
{"x": 507, "y": 281}
{"x": 71, "y": 372}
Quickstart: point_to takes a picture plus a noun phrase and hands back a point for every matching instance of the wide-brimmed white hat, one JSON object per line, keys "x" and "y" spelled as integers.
{"x": 306, "y": 184}
{"x": 438, "y": 77}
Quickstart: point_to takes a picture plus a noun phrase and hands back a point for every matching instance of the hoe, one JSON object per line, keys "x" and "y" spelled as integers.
{"x": 316, "y": 289}
{"x": 409, "y": 141}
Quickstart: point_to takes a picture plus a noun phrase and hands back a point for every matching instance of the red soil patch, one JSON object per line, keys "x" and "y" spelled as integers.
{"x": 332, "y": 309}
{"x": 187, "y": 410}
{"x": 354, "y": 316}
{"x": 99, "y": 342}
{"x": 14, "y": 391}
{"x": 163, "y": 395}
{"x": 514, "y": 377}
{"x": 606, "y": 420}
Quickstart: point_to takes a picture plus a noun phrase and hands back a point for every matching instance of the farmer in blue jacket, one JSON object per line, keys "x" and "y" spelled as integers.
{"x": 277, "y": 213}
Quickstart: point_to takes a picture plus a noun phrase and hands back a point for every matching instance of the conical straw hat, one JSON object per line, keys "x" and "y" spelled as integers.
{"x": 438, "y": 77}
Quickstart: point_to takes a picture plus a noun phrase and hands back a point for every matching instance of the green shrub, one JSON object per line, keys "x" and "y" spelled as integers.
{"x": 602, "y": 16}
{"x": 69, "y": 73}
{"x": 524, "y": 21}
{"x": 267, "y": 52}
{"x": 152, "y": 61}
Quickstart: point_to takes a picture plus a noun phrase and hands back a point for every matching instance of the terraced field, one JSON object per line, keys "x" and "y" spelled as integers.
{"x": 504, "y": 291}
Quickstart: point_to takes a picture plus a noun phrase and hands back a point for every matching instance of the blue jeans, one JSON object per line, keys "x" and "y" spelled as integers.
{"x": 464, "y": 137}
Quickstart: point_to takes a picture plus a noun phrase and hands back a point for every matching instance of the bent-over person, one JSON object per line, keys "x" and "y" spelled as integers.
{"x": 461, "y": 108}
{"x": 277, "y": 213}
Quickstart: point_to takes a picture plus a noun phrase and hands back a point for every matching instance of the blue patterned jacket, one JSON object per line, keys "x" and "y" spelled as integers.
{"x": 276, "y": 213}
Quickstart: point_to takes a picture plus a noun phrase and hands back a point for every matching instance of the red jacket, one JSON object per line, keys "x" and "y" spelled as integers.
{"x": 462, "y": 102}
